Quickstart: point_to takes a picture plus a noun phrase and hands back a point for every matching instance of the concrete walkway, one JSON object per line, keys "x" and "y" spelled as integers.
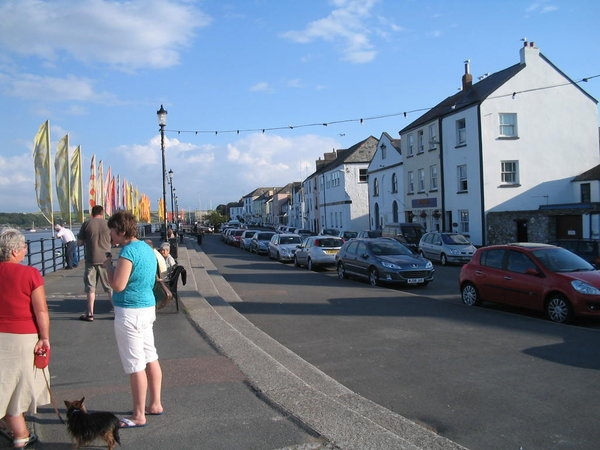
{"x": 226, "y": 383}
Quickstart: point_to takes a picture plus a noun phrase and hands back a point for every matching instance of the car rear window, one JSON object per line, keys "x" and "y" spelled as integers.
{"x": 328, "y": 242}
{"x": 290, "y": 240}
{"x": 374, "y": 233}
{"x": 264, "y": 236}
{"x": 249, "y": 234}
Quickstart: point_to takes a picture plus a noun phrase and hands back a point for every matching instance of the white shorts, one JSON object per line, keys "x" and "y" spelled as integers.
{"x": 135, "y": 337}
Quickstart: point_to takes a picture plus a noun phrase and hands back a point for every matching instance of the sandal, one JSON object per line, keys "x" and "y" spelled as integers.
{"x": 25, "y": 441}
{"x": 87, "y": 317}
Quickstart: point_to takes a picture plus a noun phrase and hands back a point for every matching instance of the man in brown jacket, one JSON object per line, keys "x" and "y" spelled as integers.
{"x": 95, "y": 236}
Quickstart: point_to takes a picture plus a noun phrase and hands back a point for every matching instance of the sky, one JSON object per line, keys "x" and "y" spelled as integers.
{"x": 99, "y": 70}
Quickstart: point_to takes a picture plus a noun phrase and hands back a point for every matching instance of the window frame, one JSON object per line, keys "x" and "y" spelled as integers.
{"x": 461, "y": 132}
{"x": 420, "y": 141}
{"x": 411, "y": 145}
{"x": 411, "y": 182}
{"x": 505, "y": 173}
{"x": 375, "y": 187}
{"x": 462, "y": 179}
{"x": 394, "y": 183}
{"x": 503, "y": 126}
{"x": 421, "y": 179}
{"x": 433, "y": 177}
{"x": 363, "y": 176}
{"x": 463, "y": 221}
{"x": 432, "y": 136}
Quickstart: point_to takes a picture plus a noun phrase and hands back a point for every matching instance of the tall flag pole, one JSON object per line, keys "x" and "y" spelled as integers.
{"x": 63, "y": 178}
{"x": 43, "y": 174}
{"x": 77, "y": 184}
{"x": 92, "y": 183}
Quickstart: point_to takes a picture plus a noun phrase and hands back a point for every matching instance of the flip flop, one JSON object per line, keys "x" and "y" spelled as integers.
{"x": 86, "y": 317}
{"x": 126, "y": 423}
{"x": 32, "y": 438}
{"x": 154, "y": 414}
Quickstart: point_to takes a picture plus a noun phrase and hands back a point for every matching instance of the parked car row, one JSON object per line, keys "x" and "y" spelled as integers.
{"x": 540, "y": 277}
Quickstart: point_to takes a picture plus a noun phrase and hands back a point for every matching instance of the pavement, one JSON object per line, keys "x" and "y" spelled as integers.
{"x": 226, "y": 384}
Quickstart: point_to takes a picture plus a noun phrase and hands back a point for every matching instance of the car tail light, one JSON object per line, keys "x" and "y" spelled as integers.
{"x": 317, "y": 243}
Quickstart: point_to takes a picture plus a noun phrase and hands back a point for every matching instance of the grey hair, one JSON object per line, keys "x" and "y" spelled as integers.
{"x": 10, "y": 239}
{"x": 165, "y": 245}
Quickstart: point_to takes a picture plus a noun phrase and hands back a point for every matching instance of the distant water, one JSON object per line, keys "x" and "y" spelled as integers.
{"x": 52, "y": 256}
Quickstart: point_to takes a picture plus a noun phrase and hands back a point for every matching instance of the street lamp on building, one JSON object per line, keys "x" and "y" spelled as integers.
{"x": 162, "y": 122}
{"x": 171, "y": 184}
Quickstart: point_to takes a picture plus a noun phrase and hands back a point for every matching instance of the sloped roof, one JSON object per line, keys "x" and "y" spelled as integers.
{"x": 395, "y": 142}
{"x": 361, "y": 152}
{"x": 258, "y": 191}
{"x": 467, "y": 97}
{"x": 589, "y": 175}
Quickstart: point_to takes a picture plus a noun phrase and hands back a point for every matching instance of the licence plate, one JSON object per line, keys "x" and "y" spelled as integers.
{"x": 331, "y": 252}
{"x": 415, "y": 280}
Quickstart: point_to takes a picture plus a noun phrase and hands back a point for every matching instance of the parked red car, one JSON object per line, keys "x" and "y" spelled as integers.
{"x": 534, "y": 276}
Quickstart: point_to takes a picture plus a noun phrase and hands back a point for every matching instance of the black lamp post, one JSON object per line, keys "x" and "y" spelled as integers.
{"x": 171, "y": 184}
{"x": 162, "y": 122}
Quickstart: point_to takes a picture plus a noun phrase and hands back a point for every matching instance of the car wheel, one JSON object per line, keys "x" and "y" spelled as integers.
{"x": 443, "y": 259}
{"x": 469, "y": 294}
{"x": 296, "y": 263}
{"x": 278, "y": 257}
{"x": 341, "y": 271}
{"x": 309, "y": 264}
{"x": 373, "y": 277}
{"x": 558, "y": 309}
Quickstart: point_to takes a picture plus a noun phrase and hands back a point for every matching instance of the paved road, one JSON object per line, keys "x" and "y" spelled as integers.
{"x": 486, "y": 378}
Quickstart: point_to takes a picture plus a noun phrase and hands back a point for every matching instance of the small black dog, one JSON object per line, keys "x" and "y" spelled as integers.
{"x": 86, "y": 427}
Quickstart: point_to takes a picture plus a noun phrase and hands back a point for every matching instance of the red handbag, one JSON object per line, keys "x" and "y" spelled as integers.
{"x": 42, "y": 358}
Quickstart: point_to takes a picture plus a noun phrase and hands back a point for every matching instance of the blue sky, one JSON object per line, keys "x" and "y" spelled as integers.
{"x": 100, "y": 70}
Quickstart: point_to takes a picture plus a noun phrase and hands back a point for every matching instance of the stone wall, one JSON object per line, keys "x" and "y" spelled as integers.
{"x": 502, "y": 226}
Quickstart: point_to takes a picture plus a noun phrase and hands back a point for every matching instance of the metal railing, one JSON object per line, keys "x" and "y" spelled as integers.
{"x": 47, "y": 254}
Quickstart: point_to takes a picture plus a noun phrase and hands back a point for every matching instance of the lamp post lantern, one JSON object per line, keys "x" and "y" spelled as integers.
{"x": 162, "y": 122}
{"x": 172, "y": 191}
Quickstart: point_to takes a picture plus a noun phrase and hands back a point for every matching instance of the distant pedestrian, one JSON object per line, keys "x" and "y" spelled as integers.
{"x": 135, "y": 312}
{"x": 95, "y": 236}
{"x": 165, "y": 251}
{"x": 68, "y": 239}
{"x": 24, "y": 331}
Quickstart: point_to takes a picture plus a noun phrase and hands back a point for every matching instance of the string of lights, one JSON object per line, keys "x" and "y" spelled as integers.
{"x": 363, "y": 119}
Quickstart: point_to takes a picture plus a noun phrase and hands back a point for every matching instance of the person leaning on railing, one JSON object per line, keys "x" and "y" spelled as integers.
{"x": 24, "y": 331}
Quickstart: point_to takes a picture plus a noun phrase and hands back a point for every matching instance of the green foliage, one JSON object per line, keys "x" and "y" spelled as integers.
{"x": 24, "y": 220}
{"x": 214, "y": 218}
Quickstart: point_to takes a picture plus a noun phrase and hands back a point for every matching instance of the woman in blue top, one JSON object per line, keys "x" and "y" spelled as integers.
{"x": 132, "y": 281}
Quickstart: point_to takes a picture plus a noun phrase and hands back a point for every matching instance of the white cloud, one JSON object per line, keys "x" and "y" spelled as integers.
{"x": 345, "y": 26}
{"x": 272, "y": 160}
{"x": 126, "y": 35}
{"x": 294, "y": 83}
{"x": 17, "y": 192}
{"x": 260, "y": 87}
{"x": 70, "y": 88}
{"x": 542, "y": 7}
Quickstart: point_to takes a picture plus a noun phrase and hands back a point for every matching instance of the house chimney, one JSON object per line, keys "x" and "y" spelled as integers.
{"x": 467, "y": 79}
{"x": 529, "y": 53}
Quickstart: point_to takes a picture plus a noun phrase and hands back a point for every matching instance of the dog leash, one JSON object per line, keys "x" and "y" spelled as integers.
{"x": 52, "y": 396}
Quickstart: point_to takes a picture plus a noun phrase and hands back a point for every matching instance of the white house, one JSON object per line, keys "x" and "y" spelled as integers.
{"x": 512, "y": 142}
{"x": 386, "y": 183}
{"x": 340, "y": 188}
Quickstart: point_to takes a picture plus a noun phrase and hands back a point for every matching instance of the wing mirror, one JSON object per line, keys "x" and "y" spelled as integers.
{"x": 534, "y": 272}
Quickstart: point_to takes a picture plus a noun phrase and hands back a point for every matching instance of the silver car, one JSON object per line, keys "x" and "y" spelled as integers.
{"x": 446, "y": 247}
{"x": 246, "y": 238}
{"x": 283, "y": 246}
{"x": 317, "y": 251}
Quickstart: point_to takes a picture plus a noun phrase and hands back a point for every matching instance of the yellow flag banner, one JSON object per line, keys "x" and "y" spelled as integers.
{"x": 43, "y": 174}
{"x": 63, "y": 178}
{"x": 77, "y": 185}
{"x": 161, "y": 210}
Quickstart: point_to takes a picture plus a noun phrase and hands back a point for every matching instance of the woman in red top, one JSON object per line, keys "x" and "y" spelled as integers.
{"x": 24, "y": 330}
